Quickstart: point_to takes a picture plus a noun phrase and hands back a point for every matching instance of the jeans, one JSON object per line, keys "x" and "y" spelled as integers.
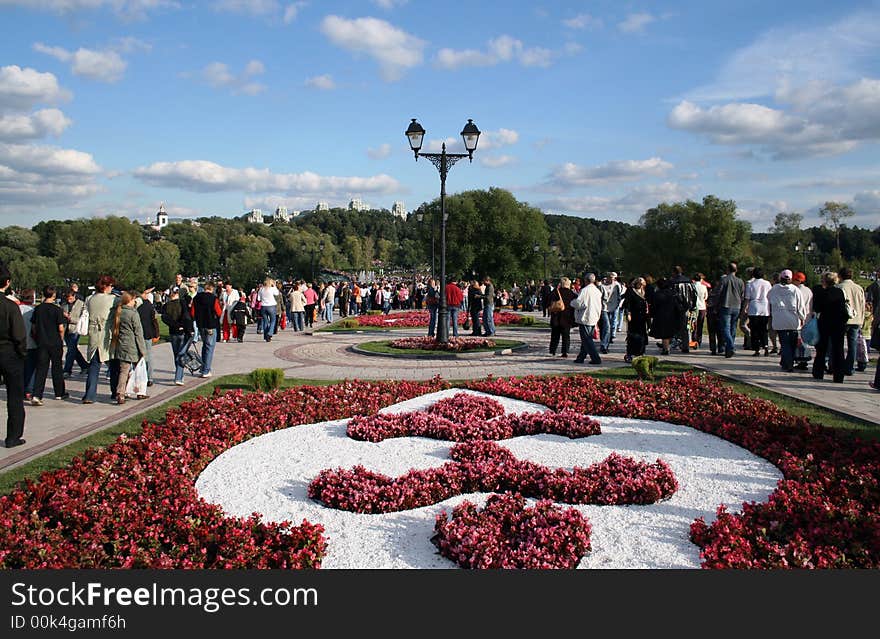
{"x": 588, "y": 346}
{"x": 727, "y": 318}
{"x": 852, "y": 335}
{"x": 148, "y": 355}
{"x": 209, "y": 340}
{"x": 30, "y": 370}
{"x": 91, "y": 393}
{"x": 179, "y": 344}
{"x": 269, "y": 316}
{"x": 432, "y": 320}
{"x": 328, "y": 311}
{"x": 71, "y": 341}
{"x": 605, "y": 329}
{"x": 489, "y": 319}
{"x": 453, "y": 320}
{"x": 787, "y": 344}
{"x": 618, "y": 322}
{"x": 299, "y": 318}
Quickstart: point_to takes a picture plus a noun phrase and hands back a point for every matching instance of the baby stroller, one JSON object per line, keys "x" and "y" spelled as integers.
{"x": 802, "y": 355}
{"x": 190, "y": 358}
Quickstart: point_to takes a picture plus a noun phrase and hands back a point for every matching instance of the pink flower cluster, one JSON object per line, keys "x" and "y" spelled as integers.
{"x": 417, "y": 319}
{"x": 508, "y": 534}
{"x": 134, "y": 504}
{"x": 485, "y": 467}
{"x": 455, "y": 344}
{"x": 466, "y": 417}
{"x": 825, "y": 513}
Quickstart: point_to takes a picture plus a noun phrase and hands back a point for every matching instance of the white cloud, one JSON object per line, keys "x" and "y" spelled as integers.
{"x": 584, "y": 21}
{"x": 25, "y": 88}
{"x": 324, "y": 82}
{"x": 629, "y": 206}
{"x": 219, "y": 76}
{"x": 838, "y": 51}
{"x": 498, "y": 50}
{"x": 291, "y": 12}
{"x": 394, "y": 49}
{"x": 205, "y": 176}
{"x": 125, "y": 9}
{"x": 381, "y": 152}
{"x": 389, "y": 4}
{"x": 497, "y": 161}
{"x": 571, "y": 175}
{"x": 35, "y": 125}
{"x": 129, "y": 44}
{"x": 636, "y": 22}
{"x": 101, "y": 66}
{"x": 868, "y": 203}
{"x": 823, "y": 120}
{"x": 32, "y": 174}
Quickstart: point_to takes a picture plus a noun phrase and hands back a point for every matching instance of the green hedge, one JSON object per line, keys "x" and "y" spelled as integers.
{"x": 267, "y": 379}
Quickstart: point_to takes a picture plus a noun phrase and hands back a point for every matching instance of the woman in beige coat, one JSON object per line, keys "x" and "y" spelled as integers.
{"x": 127, "y": 344}
{"x": 98, "y": 307}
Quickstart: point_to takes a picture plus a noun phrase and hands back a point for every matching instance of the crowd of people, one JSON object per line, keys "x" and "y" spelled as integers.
{"x": 772, "y": 317}
{"x": 833, "y": 325}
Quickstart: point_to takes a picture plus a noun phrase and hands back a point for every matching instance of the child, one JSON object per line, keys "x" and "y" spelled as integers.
{"x": 240, "y": 317}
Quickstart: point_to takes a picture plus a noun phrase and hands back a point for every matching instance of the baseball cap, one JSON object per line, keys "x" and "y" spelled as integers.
{"x": 798, "y": 277}
{"x": 786, "y": 273}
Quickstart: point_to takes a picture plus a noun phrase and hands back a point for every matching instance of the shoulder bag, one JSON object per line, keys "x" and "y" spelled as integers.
{"x": 558, "y": 305}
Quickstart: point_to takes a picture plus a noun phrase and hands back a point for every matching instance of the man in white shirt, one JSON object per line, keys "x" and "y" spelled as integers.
{"x": 788, "y": 313}
{"x": 855, "y": 297}
{"x": 702, "y": 296}
{"x": 329, "y": 300}
{"x": 588, "y": 309}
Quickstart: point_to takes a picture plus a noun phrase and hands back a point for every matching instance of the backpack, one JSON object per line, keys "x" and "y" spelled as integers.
{"x": 686, "y": 295}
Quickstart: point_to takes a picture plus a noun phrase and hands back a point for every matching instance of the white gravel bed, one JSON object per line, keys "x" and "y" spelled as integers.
{"x": 270, "y": 475}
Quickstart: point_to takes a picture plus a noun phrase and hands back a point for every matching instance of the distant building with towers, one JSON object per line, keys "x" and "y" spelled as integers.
{"x": 398, "y": 209}
{"x": 281, "y": 215}
{"x": 161, "y": 217}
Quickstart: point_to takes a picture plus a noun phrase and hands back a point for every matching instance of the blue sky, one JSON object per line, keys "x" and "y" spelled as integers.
{"x": 598, "y": 109}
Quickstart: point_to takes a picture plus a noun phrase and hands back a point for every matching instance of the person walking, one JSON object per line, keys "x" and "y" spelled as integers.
{"x": 787, "y": 312}
{"x": 829, "y": 305}
{"x": 48, "y": 323}
{"x": 561, "y": 320}
{"x": 206, "y": 312}
{"x": 228, "y": 299}
{"x": 176, "y": 316}
{"x": 73, "y": 308}
{"x": 636, "y": 309}
{"x": 311, "y": 296}
{"x": 27, "y": 297}
{"x": 298, "y": 306}
{"x": 150, "y": 323}
{"x": 454, "y": 298}
{"x": 127, "y": 345}
{"x": 758, "y": 309}
{"x": 13, "y": 350}
{"x": 269, "y": 307}
{"x": 432, "y": 301}
{"x": 99, "y": 306}
{"x": 702, "y": 288}
{"x": 328, "y": 300}
{"x": 488, "y": 307}
{"x": 475, "y": 305}
{"x": 587, "y": 311}
{"x": 730, "y": 304}
{"x": 239, "y": 317}
{"x": 855, "y": 299}
{"x": 665, "y": 314}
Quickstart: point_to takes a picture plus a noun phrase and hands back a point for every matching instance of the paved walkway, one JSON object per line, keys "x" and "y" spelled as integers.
{"x": 327, "y": 356}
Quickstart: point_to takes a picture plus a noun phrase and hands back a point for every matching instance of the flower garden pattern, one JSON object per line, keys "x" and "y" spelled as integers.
{"x": 419, "y": 319}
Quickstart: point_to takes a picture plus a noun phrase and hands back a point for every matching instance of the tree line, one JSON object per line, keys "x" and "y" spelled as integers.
{"x": 489, "y": 232}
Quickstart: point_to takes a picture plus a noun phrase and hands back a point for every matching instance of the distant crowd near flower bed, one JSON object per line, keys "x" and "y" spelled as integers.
{"x": 134, "y": 503}
{"x": 419, "y": 319}
{"x": 455, "y": 344}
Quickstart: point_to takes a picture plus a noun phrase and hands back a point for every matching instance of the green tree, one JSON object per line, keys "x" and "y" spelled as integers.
{"x": 700, "y": 236}
{"x": 197, "y": 253}
{"x": 113, "y": 246}
{"x": 164, "y": 263}
{"x": 833, "y": 214}
{"x": 248, "y": 260}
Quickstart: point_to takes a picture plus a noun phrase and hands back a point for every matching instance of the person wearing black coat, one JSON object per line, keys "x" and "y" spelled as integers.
{"x": 561, "y": 322}
{"x": 635, "y": 305}
{"x": 829, "y": 304}
{"x": 664, "y": 314}
{"x": 475, "y": 305}
{"x": 13, "y": 350}
{"x": 176, "y": 316}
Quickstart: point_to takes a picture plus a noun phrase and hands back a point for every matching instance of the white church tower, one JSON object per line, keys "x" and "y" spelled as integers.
{"x": 161, "y": 217}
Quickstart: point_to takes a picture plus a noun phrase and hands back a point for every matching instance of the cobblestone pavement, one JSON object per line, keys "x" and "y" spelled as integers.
{"x": 327, "y": 356}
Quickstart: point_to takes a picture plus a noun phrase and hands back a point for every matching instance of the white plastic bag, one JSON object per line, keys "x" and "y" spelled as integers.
{"x": 82, "y": 324}
{"x": 137, "y": 379}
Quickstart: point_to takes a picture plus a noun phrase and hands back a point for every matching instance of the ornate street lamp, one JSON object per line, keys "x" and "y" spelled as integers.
{"x": 803, "y": 248}
{"x": 443, "y": 161}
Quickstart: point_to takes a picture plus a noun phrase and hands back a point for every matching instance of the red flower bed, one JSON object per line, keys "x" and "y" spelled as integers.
{"x": 507, "y": 534}
{"x": 486, "y": 467}
{"x": 824, "y": 514}
{"x": 466, "y": 417}
{"x": 455, "y": 344}
{"x": 417, "y": 319}
{"x": 134, "y": 504}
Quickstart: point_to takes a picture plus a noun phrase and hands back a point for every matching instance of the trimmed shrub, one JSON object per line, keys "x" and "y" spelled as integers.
{"x": 374, "y": 312}
{"x": 267, "y": 379}
{"x": 526, "y": 320}
{"x": 348, "y": 322}
{"x": 644, "y": 366}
